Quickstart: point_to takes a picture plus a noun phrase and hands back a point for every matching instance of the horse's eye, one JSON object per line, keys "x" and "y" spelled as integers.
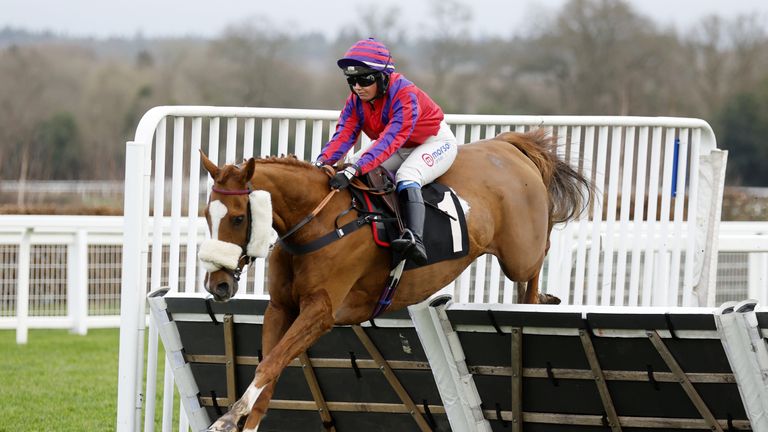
{"x": 237, "y": 220}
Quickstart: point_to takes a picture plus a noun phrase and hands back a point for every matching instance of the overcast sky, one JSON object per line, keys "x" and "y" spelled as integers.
{"x": 103, "y": 18}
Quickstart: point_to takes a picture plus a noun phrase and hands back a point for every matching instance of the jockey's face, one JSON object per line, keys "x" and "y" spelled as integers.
{"x": 364, "y": 87}
{"x": 366, "y": 93}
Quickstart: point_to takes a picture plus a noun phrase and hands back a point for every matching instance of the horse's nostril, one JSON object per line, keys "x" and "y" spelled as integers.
{"x": 222, "y": 289}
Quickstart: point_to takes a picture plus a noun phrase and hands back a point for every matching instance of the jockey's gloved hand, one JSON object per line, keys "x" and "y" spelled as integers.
{"x": 319, "y": 163}
{"x": 341, "y": 179}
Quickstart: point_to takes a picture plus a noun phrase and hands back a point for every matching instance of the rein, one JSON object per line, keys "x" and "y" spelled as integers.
{"x": 330, "y": 237}
{"x": 394, "y": 276}
{"x": 336, "y": 234}
{"x": 309, "y": 217}
{"x": 359, "y": 185}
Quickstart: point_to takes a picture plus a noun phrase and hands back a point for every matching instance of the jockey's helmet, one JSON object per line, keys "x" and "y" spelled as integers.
{"x": 368, "y": 56}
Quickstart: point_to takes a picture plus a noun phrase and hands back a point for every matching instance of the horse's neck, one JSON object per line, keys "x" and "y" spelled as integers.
{"x": 295, "y": 193}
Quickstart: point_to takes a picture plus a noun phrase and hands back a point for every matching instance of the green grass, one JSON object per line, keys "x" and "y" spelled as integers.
{"x": 61, "y": 382}
{"x": 58, "y": 381}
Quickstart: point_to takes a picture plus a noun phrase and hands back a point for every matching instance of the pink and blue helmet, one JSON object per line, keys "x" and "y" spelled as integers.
{"x": 365, "y": 56}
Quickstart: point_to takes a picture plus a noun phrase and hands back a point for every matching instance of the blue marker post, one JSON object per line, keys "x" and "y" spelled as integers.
{"x": 674, "y": 167}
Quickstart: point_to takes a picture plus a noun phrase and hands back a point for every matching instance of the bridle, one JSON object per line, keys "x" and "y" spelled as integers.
{"x": 244, "y": 254}
{"x": 316, "y": 244}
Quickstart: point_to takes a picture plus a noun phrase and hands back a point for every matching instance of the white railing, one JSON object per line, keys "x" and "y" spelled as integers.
{"x": 625, "y": 156}
{"x": 62, "y": 271}
{"x": 74, "y": 273}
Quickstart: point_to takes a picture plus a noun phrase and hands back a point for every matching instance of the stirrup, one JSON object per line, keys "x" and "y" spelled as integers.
{"x": 408, "y": 233}
{"x": 405, "y": 242}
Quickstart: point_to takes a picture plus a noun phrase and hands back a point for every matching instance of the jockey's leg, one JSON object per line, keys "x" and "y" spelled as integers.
{"x": 412, "y": 205}
{"x": 423, "y": 164}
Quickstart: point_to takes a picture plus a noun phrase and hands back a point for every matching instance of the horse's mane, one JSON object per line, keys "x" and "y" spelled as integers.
{"x": 229, "y": 170}
{"x": 290, "y": 159}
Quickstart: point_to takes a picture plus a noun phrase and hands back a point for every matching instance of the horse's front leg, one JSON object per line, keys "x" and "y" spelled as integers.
{"x": 315, "y": 318}
{"x": 277, "y": 320}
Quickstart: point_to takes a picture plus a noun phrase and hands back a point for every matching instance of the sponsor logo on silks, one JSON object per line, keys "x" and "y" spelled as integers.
{"x": 430, "y": 159}
{"x": 440, "y": 150}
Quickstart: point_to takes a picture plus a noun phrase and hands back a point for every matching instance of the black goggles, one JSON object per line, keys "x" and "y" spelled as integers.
{"x": 362, "y": 80}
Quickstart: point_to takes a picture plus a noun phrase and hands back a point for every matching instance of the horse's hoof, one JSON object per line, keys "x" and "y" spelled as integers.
{"x": 223, "y": 426}
{"x": 548, "y": 299}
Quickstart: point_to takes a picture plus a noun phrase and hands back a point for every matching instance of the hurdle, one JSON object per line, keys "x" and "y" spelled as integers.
{"x": 618, "y": 253}
{"x": 351, "y": 379}
{"x": 473, "y": 367}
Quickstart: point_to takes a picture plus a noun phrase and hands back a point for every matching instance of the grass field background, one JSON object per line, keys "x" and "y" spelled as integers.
{"x": 61, "y": 382}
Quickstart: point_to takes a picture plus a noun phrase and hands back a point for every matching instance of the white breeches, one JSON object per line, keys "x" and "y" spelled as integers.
{"x": 424, "y": 163}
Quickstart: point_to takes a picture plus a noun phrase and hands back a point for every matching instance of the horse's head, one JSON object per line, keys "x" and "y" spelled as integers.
{"x": 240, "y": 223}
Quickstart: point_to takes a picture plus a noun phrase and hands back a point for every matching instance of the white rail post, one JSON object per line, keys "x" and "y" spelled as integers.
{"x": 129, "y": 398}
{"x": 22, "y": 287}
{"x": 757, "y": 279}
{"x": 711, "y": 181}
{"x": 448, "y": 363}
{"x": 745, "y": 349}
{"x": 77, "y": 282}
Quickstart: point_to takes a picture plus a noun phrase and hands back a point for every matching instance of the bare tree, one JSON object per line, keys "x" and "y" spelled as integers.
{"x": 22, "y": 107}
{"x": 383, "y": 23}
{"x": 601, "y": 56}
{"x": 447, "y": 47}
{"x": 589, "y": 57}
{"x": 249, "y": 66}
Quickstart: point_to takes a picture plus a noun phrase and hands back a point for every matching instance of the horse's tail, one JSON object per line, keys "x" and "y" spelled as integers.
{"x": 569, "y": 192}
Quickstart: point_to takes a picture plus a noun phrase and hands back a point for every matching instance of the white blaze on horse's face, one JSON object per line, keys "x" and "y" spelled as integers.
{"x": 217, "y": 210}
{"x": 215, "y": 254}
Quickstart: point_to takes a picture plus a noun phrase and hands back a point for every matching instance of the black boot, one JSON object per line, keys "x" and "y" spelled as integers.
{"x": 412, "y": 207}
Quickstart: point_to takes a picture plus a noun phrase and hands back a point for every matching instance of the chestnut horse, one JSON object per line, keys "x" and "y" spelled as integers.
{"x": 515, "y": 189}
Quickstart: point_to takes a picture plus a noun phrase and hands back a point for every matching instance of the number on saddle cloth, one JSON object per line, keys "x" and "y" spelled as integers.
{"x": 445, "y": 226}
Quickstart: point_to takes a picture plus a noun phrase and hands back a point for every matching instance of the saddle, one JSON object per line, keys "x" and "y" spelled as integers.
{"x": 445, "y": 228}
{"x": 379, "y": 183}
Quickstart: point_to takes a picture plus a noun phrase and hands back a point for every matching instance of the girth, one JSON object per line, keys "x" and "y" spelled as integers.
{"x": 321, "y": 242}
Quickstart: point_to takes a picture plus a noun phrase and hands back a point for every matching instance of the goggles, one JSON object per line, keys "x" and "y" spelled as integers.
{"x": 362, "y": 80}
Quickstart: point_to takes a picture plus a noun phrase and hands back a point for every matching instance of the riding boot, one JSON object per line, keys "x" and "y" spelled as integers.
{"x": 410, "y": 243}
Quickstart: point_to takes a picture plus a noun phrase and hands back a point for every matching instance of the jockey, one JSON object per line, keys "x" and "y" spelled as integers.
{"x": 409, "y": 135}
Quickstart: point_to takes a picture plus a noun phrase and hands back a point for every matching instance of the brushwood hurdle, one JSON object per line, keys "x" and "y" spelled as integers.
{"x": 648, "y": 239}
{"x": 478, "y": 367}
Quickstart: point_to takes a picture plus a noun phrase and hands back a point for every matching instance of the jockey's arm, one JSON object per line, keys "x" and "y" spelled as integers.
{"x": 403, "y": 119}
{"x": 347, "y": 130}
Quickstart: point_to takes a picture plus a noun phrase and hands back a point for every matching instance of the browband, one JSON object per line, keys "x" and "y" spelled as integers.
{"x": 231, "y": 192}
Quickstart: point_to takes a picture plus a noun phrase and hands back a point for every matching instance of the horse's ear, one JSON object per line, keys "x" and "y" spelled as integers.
{"x": 250, "y": 167}
{"x": 211, "y": 167}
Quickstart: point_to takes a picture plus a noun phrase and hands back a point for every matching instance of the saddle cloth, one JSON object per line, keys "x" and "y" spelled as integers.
{"x": 445, "y": 225}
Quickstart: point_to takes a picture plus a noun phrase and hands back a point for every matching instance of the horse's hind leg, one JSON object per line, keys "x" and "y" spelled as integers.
{"x": 527, "y": 292}
{"x": 532, "y": 289}
{"x": 531, "y": 293}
